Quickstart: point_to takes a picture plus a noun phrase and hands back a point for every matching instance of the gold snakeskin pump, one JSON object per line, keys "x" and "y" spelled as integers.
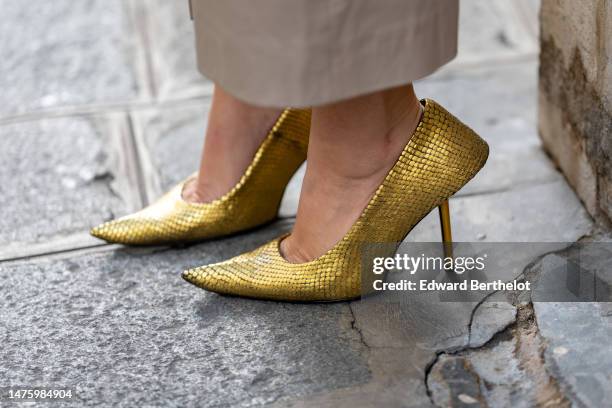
{"x": 442, "y": 155}
{"x": 252, "y": 202}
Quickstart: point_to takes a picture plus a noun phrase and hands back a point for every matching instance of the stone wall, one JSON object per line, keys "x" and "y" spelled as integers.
{"x": 575, "y": 98}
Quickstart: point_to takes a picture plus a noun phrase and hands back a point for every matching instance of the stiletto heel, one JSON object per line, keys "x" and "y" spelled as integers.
{"x": 445, "y": 226}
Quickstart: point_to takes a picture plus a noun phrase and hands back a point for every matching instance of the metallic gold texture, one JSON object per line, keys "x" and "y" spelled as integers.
{"x": 440, "y": 158}
{"x": 252, "y": 202}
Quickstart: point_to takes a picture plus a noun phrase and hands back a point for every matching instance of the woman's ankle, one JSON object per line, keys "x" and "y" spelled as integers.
{"x": 234, "y": 133}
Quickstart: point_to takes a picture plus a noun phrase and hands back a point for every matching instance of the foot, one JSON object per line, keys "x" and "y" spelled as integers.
{"x": 352, "y": 148}
{"x": 234, "y": 133}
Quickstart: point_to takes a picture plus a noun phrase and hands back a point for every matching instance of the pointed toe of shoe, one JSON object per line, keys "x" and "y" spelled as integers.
{"x": 122, "y": 231}
{"x": 203, "y": 277}
{"x": 105, "y": 232}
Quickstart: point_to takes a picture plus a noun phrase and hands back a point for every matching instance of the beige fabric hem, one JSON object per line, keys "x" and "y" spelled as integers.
{"x": 314, "y": 52}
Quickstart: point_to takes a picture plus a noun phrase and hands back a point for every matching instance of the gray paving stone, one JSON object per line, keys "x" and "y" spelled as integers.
{"x": 577, "y": 334}
{"x": 125, "y": 330}
{"x": 169, "y": 30}
{"x": 171, "y": 141}
{"x": 394, "y": 384}
{"x": 578, "y": 351}
{"x": 60, "y": 53}
{"x": 490, "y": 30}
{"x": 59, "y": 177}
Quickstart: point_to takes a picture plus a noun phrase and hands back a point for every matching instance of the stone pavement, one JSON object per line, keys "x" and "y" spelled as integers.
{"x": 99, "y": 101}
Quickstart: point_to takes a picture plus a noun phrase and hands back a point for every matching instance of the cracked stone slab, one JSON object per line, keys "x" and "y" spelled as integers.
{"x": 61, "y": 53}
{"x": 59, "y": 177}
{"x": 169, "y": 31}
{"x": 501, "y": 107}
{"x": 171, "y": 140}
{"x": 398, "y": 352}
{"x": 124, "y": 329}
{"x": 403, "y": 338}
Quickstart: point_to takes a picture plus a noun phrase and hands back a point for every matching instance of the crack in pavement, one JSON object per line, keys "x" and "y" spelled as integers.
{"x": 356, "y": 328}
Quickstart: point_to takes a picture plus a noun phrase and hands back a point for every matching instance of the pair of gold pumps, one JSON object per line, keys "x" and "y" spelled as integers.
{"x": 442, "y": 155}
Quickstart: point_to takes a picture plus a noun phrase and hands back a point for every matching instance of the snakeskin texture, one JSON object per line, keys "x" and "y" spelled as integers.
{"x": 253, "y": 201}
{"x": 442, "y": 155}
